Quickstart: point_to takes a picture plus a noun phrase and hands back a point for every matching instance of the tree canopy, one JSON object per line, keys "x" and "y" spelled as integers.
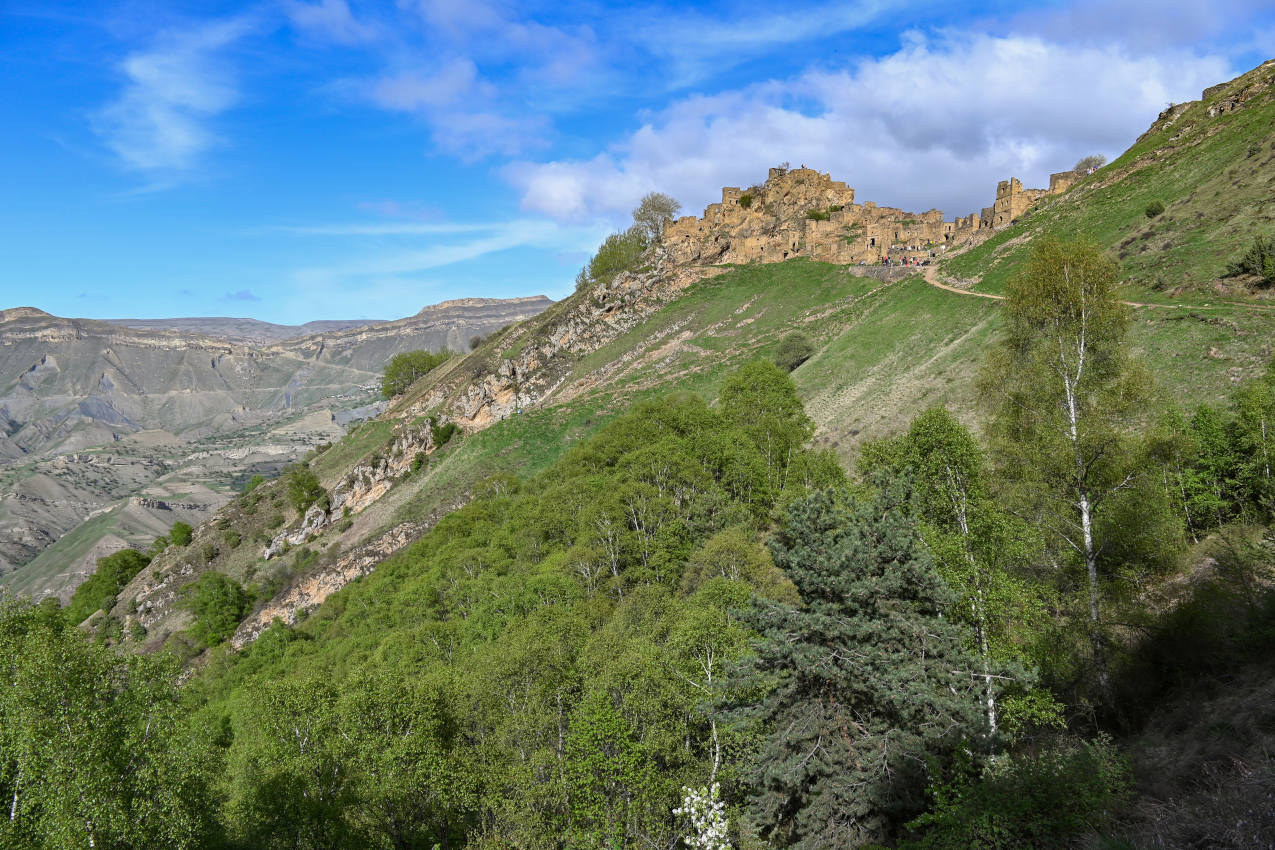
{"x": 654, "y": 212}
{"x": 406, "y": 368}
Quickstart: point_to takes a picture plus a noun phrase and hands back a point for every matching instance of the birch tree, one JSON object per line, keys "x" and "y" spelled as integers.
{"x": 1255, "y": 433}
{"x": 1067, "y": 399}
{"x": 93, "y": 753}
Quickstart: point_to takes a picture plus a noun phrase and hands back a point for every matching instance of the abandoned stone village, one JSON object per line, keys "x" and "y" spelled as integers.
{"x": 801, "y": 212}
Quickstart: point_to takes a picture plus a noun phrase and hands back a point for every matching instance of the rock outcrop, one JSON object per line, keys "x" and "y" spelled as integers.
{"x": 361, "y": 486}
{"x": 308, "y": 592}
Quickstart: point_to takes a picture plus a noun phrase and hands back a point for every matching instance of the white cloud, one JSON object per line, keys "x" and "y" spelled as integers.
{"x": 419, "y": 91}
{"x": 380, "y": 259}
{"x": 935, "y": 124}
{"x": 329, "y": 20}
{"x": 158, "y": 122}
{"x": 696, "y": 46}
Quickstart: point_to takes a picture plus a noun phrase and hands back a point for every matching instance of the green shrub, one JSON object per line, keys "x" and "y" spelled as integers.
{"x": 304, "y": 558}
{"x": 793, "y": 350}
{"x": 817, "y": 215}
{"x": 746, "y": 200}
{"x": 1154, "y": 208}
{"x": 274, "y": 522}
{"x": 418, "y": 462}
{"x": 99, "y": 590}
{"x": 180, "y": 534}
{"x": 253, "y": 483}
{"x": 404, "y": 369}
{"x": 444, "y": 433}
{"x": 618, "y": 253}
{"x": 1043, "y": 801}
{"x": 303, "y": 488}
{"x": 218, "y": 603}
{"x": 1259, "y": 260}
{"x": 233, "y": 539}
{"x": 209, "y": 552}
{"x": 836, "y": 208}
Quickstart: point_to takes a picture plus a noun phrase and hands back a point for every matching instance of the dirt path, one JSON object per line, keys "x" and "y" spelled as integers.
{"x": 931, "y": 274}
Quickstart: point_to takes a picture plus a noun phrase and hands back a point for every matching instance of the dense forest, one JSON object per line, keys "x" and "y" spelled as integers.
{"x": 694, "y": 629}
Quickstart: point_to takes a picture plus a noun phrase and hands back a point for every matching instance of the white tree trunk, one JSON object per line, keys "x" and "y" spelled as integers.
{"x": 960, "y": 502}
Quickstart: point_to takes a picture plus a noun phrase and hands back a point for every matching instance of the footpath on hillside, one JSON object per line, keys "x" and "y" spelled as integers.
{"x": 931, "y": 274}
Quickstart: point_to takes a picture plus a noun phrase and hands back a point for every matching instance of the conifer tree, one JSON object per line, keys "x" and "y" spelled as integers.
{"x": 972, "y": 538}
{"x": 868, "y": 678}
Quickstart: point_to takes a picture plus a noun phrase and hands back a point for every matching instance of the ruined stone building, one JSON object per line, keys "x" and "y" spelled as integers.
{"x": 1012, "y": 200}
{"x": 804, "y": 213}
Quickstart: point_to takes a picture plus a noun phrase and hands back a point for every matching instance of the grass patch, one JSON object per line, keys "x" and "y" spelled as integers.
{"x": 358, "y": 442}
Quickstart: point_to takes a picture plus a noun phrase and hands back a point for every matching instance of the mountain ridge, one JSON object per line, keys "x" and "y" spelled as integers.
{"x": 92, "y": 389}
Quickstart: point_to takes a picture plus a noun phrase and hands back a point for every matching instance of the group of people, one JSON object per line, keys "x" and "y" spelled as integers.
{"x": 906, "y": 261}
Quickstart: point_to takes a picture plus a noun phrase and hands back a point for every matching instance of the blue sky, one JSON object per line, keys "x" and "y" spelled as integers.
{"x": 294, "y": 159}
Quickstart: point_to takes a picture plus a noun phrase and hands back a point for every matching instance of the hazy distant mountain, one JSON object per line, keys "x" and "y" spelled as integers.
{"x": 251, "y": 331}
{"x": 94, "y": 414}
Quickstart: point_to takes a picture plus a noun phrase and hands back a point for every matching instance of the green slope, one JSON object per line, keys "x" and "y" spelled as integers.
{"x": 1215, "y": 174}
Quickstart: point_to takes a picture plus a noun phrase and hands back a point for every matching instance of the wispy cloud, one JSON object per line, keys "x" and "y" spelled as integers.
{"x": 389, "y": 229}
{"x": 696, "y": 46}
{"x": 330, "y": 21}
{"x": 421, "y": 91}
{"x": 402, "y": 209}
{"x": 158, "y": 123}
{"x": 241, "y": 295}
{"x": 410, "y": 257}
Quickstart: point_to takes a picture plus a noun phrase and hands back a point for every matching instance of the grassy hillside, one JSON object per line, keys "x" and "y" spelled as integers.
{"x": 515, "y": 639}
{"x": 1214, "y": 174}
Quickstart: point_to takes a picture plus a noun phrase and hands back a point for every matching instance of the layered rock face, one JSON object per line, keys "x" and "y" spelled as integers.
{"x": 72, "y": 383}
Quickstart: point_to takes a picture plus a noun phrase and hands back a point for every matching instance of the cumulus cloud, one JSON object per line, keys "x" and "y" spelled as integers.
{"x": 936, "y": 123}
{"x": 158, "y": 123}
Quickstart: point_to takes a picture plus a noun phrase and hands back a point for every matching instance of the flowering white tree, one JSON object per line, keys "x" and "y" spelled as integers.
{"x": 706, "y": 812}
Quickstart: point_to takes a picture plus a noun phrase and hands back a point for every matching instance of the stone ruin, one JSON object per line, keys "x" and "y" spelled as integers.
{"x": 801, "y": 212}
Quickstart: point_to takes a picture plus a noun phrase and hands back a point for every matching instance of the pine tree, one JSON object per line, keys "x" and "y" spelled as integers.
{"x": 866, "y": 680}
